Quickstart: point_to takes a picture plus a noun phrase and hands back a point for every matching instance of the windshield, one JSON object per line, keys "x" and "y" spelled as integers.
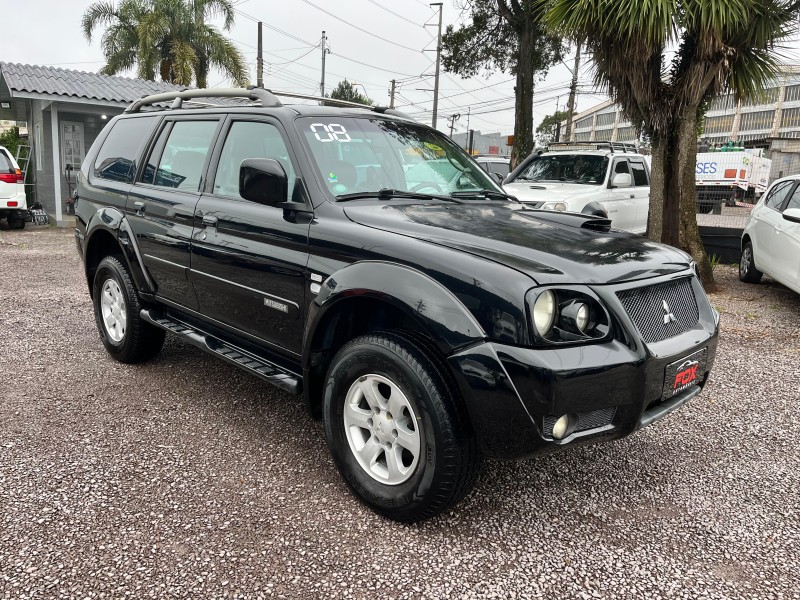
{"x": 357, "y": 154}
{"x": 573, "y": 168}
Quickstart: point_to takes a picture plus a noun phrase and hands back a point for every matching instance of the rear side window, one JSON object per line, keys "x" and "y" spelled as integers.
{"x": 116, "y": 160}
{"x": 778, "y": 195}
{"x": 6, "y": 166}
{"x": 639, "y": 173}
{"x": 180, "y": 165}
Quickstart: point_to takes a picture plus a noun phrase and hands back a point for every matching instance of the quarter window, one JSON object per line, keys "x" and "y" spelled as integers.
{"x": 181, "y": 163}
{"x": 794, "y": 201}
{"x": 117, "y": 157}
{"x": 778, "y": 195}
{"x": 639, "y": 173}
{"x": 250, "y": 139}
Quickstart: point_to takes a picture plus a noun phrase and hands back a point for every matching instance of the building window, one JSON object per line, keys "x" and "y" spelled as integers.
{"x": 583, "y": 123}
{"x": 37, "y": 145}
{"x": 725, "y": 102}
{"x": 770, "y": 97}
{"x": 718, "y": 124}
{"x": 72, "y": 150}
{"x": 790, "y": 117}
{"x": 792, "y": 93}
{"x": 626, "y": 134}
{"x": 605, "y": 119}
{"x": 582, "y": 137}
{"x": 762, "y": 119}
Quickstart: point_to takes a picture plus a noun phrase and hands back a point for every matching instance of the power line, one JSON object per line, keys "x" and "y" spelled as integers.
{"x": 399, "y": 16}
{"x": 376, "y": 36}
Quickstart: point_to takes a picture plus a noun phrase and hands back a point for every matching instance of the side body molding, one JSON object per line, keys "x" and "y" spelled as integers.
{"x": 415, "y": 293}
{"x": 112, "y": 221}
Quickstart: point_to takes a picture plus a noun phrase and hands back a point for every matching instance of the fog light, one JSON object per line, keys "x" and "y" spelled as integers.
{"x": 562, "y": 427}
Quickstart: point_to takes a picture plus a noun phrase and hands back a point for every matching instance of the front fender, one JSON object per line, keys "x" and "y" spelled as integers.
{"x": 593, "y": 208}
{"x": 111, "y": 221}
{"x": 433, "y": 306}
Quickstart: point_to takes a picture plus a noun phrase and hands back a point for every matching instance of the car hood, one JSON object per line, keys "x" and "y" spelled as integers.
{"x": 550, "y": 247}
{"x": 531, "y": 191}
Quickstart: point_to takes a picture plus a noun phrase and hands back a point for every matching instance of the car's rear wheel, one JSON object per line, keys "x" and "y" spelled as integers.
{"x": 397, "y": 429}
{"x": 126, "y": 336}
{"x": 747, "y": 265}
{"x": 16, "y": 222}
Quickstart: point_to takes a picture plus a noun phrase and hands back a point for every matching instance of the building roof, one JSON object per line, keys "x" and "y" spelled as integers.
{"x": 21, "y": 80}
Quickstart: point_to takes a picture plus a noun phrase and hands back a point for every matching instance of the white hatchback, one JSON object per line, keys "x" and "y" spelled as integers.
{"x": 13, "y": 205}
{"x": 771, "y": 238}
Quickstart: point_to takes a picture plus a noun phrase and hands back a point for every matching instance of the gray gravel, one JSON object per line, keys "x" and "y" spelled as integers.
{"x": 186, "y": 477}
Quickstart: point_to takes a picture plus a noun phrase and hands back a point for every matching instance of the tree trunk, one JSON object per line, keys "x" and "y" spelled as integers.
{"x": 672, "y": 190}
{"x": 523, "y": 109}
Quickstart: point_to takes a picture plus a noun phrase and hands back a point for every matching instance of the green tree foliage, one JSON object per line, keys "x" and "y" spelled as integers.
{"x": 171, "y": 39}
{"x": 11, "y": 140}
{"x": 546, "y": 131}
{"x": 509, "y": 36}
{"x": 661, "y": 60}
{"x": 347, "y": 91}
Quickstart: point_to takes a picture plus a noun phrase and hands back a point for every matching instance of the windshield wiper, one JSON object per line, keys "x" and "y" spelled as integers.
{"x": 389, "y": 193}
{"x": 492, "y": 194}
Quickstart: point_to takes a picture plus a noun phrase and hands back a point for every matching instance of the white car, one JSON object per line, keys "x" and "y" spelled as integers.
{"x": 13, "y": 205}
{"x": 771, "y": 238}
{"x": 598, "y": 178}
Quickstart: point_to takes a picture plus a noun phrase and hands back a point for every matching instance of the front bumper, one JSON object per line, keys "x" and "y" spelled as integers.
{"x": 515, "y": 394}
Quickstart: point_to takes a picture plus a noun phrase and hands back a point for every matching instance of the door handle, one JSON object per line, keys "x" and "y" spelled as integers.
{"x": 210, "y": 220}
{"x": 139, "y": 206}
{"x": 633, "y": 195}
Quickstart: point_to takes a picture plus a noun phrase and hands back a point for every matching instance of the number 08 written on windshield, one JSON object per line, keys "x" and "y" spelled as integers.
{"x": 333, "y": 132}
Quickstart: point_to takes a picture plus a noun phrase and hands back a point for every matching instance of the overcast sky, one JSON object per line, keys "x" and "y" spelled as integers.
{"x": 388, "y": 36}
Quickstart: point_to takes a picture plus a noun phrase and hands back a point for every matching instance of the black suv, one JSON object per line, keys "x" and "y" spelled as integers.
{"x": 351, "y": 255}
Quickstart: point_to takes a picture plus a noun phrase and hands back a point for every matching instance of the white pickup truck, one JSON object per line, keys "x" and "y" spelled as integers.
{"x": 725, "y": 177}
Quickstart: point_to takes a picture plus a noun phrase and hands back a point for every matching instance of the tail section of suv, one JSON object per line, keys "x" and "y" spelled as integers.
{"x": 604, "y": 179}
{"x": 13, "y": 204}
{"x": 427, "y": 317}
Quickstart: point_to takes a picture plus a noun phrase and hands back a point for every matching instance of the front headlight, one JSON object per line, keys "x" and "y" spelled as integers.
{"x": 559, "y": 206}
{"x": 567, "y": 314}
{"x": 544, "y": 312}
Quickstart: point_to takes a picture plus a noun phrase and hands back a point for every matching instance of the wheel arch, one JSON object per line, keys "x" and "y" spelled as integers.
{"x": 595, "y": 208}
{"x": 378, "y": 296}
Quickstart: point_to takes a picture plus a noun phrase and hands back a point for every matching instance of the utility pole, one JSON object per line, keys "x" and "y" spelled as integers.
{"x": 573, "y": 88}
{"x": 438, "y": 58}
{"x": 260, "y": 59}
{"x": 558, "y": 123}
{"x": 391, "y": 94}
{"x": 324, "y": 45}
{"x": 471, "y": 141}
{"x": 453, "y": 118}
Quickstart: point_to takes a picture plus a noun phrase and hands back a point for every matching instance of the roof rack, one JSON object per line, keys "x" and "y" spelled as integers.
{"x": 599, "y": 145}
{"x": 264, "y": 96}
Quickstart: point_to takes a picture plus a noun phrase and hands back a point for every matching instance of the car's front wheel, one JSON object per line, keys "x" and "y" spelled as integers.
{"x": 747, "y": 265}
{"x": 126, "y": 336}
{"x": 396, "y": 427}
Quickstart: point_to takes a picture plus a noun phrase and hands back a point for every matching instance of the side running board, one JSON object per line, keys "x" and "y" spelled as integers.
{"x": 257, "y": 365}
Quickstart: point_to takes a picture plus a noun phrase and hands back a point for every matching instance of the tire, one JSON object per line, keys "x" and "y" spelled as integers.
{"x": 405, "y": 480}
{"x": 747, "y": 265}
{"x": 126, "y": 336}
{"x": 16, "y": 223}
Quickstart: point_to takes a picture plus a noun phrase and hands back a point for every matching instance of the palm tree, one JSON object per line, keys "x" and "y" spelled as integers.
{"x": 166, "y": 38}
{"x": 662, "y": 61}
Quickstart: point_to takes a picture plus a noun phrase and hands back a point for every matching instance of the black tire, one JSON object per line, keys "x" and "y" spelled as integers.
{"x": 15, "y": 222}
{"x": 449, "y": 460}
{"x": 139, "y": 340}
{"x": 747, "y": 265}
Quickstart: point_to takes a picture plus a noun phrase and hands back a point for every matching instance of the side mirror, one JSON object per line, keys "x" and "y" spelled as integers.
{"x": 621, "y": 180}
{"x": 792, "y": 214}
{"x": 263, "y": 180}
{"x": 498, "y": 177}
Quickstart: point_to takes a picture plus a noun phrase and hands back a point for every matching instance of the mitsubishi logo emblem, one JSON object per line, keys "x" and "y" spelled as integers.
{"x": 668, "y": 316}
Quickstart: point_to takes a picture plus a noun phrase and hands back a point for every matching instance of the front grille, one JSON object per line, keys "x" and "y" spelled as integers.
{"x": 645, "y": 307}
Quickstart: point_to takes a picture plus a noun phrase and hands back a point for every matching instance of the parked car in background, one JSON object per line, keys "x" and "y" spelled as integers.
{"x": 13, "y": 205}
{"x": 498, "y": 166}
{"x": 605, "y": 179}
{"x": 771, "y": 237}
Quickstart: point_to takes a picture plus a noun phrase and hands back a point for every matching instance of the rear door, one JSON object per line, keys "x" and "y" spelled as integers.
{"x": 785, "y": 255}
{"x": 249, "y": 259}
{"x": 641, "y": 182}
{"x": 161, "y": 205}
{"x": 766, "y": 220}
{"x": 10, "y": 177}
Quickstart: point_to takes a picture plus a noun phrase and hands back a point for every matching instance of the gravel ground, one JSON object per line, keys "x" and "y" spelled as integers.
{"x": 186, "y": 477}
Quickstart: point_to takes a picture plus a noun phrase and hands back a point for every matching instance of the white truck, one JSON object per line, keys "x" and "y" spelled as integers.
{"x": 725, "y": 177}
